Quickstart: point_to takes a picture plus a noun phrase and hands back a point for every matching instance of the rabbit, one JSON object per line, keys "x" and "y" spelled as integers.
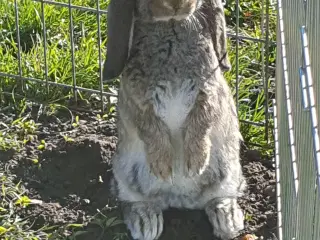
{"x": 178, "y": 130}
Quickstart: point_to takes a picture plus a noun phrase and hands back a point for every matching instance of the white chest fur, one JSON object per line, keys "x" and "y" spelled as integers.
{"x": 172, "y": 102}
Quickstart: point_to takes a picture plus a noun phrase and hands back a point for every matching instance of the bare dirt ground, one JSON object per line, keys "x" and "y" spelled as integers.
{"x": 72, "y": 174}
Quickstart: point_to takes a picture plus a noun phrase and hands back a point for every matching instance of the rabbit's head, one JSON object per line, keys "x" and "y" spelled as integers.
{"x": 120, "y": 23}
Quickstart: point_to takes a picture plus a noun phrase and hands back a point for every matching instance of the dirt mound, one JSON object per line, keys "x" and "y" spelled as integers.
{"x": 72, "y": 180}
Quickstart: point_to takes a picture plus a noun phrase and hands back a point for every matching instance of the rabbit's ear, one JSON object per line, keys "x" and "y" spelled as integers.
{"x": 215, "y": 18}
{"x": 120, "y": 21}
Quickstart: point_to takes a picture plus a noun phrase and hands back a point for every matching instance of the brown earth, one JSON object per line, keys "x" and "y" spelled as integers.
{"x": 71, "y": 178}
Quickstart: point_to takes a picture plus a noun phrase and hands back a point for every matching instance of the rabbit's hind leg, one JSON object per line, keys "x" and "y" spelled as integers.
{"x": 143, "y": 219}
{"x": 226, "y": 217}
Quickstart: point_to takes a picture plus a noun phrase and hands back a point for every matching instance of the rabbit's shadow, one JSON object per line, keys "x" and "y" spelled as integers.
{"x": 178, "y": 225}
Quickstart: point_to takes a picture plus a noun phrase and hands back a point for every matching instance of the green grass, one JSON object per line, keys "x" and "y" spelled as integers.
{"x": 58, "y": 46}
{"x": 15, "y": 134}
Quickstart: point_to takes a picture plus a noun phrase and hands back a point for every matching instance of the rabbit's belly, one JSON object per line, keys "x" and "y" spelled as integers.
{"x": 137, "y": 183}
{"x": 180, "y": 193}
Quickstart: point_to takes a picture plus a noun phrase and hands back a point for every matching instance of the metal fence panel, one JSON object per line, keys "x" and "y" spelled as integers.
{"x": 299, "y": 36}
{"x": 313, "y": 28}
{"x": 286, "y": 190}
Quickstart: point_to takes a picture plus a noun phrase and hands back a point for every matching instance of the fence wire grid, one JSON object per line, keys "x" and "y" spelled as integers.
{"x": 45, "y": 75}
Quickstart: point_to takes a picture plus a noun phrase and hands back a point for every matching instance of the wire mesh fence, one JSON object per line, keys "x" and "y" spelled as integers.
{"x": 55, "y": 49}
{"x": 296, "y": 119}
{"x": 44, "y": 79}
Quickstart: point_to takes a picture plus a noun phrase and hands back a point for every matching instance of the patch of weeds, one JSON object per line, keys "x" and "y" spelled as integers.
{"x": 12, "y": 199}
{"x": 17, "y": 133}
{"x": 14, "y": 136}
{"x": 9, "y": 142}
{"x": 110, "y": 226}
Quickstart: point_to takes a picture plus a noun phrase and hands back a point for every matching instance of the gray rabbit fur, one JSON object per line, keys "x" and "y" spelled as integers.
{"x": 178, "y": 131}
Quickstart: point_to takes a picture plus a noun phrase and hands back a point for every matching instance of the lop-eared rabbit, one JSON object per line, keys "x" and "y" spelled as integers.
{"x": 178, "y": 131}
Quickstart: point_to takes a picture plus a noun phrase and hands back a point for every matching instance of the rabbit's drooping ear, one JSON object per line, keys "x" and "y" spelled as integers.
{"x": 120, "y": 20}
{"x": 214, "y": 12}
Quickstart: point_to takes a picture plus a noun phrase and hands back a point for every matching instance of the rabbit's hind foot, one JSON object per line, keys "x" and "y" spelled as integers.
{"x": 226, "y": 217}
{"x": 143, "y": 219}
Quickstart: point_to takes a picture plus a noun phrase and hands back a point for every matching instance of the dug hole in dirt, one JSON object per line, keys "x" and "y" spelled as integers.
{"x": 72, "y": 181}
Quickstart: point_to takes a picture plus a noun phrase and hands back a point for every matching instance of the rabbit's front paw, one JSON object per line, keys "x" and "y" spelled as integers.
{"x": 160, "y": 157}
{"x": 144, "y": 220}
{"x": 197, "y": 143}
{"x": 226, "y": 217}
{"x": 197, "y": 155}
